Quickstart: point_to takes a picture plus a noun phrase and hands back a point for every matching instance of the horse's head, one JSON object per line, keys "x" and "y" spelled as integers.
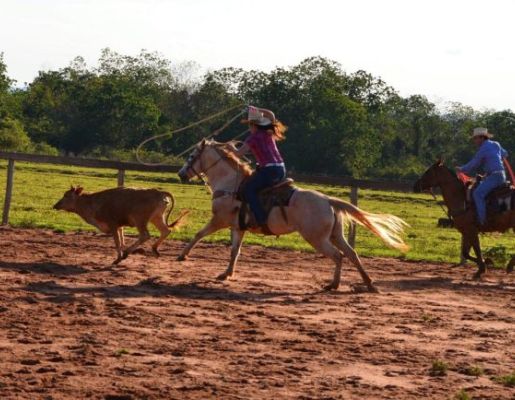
{"x": 196, "y": 161}
{"x": 207, "y": 155}
{"x": 434, "y": 176}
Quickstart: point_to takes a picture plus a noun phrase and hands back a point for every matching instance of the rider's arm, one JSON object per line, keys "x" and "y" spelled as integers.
{"x": 504, "y": 153}
{"x": 244, "y": 149}
{"x": 473, "y": 164}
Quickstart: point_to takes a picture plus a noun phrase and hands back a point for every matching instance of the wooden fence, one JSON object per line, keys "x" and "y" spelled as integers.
{"x": 354, "y": 184}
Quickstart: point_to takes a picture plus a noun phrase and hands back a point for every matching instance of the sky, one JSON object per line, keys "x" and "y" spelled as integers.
{"x": 452, "y": 50}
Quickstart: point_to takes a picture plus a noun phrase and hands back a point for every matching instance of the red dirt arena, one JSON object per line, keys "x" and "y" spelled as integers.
{"x": 74, "y": 327}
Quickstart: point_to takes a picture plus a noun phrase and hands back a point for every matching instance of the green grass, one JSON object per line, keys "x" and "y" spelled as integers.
{"x": 506, "y": 380}
{"x": 38, "y": 186}
{"x": 439, "y": 368}
{"x": 474, "y": 370}
{"x": 462, "y": 395}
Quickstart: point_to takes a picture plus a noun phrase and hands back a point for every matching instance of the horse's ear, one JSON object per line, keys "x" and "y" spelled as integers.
{"x": 78, "y": 190}
{"x": 203, "y": 142}
{"x": 439, "y": 162}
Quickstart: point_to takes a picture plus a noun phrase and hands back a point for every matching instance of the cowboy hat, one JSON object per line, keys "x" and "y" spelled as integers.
{"x": 256, "y": 116}
{"x": 481, "y": 132}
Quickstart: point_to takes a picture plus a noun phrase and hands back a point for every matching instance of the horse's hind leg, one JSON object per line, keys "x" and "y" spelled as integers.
{"x": 325, "y": 247}
{"x": 339, "y": 241}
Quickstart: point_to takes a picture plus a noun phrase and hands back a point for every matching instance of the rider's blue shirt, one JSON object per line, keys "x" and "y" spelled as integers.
{"x": 489, "y": 156}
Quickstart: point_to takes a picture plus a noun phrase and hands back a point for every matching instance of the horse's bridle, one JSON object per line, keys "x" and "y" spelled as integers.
{"x": 450, "y": 213}
{"x": 200, "y": 174}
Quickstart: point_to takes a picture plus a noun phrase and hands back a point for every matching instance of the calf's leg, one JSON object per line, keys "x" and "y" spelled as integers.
{"x": 144, "y": 235}
{"x": 118, "y": 240}
{"x": 159, "y": 222}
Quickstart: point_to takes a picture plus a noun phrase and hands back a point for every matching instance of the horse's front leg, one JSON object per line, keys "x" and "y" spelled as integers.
{"x": 465, "y": 249}
{"x": 236, "y": 241}
{"x": 474, "y": 241}
{"x": 212, "y": 226}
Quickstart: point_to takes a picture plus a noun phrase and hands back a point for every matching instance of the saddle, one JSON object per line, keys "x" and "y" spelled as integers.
{"x": 278, "y": 195}
{"x": 499, "y": 200}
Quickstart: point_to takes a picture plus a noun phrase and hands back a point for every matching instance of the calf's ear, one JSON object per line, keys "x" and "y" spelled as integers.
{"x": 78, "y": 190}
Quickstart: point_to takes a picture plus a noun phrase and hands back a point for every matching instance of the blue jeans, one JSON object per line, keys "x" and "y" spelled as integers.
{"x": 485, "y": 187}
{"x": 261, "y": 179}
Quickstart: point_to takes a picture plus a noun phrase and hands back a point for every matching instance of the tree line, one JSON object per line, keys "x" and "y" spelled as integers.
{"x": 340, "y": 123}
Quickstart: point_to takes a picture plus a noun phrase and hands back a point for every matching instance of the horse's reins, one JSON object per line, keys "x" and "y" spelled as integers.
{"x": 449, "y": 213}
{"x": 203, "y": 170}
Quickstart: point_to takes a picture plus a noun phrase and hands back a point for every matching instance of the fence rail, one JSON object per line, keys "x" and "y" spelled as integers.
{"x": 354, "y": 184}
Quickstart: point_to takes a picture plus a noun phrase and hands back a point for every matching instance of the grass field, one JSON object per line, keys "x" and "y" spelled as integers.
{"x": 37, "y": 187}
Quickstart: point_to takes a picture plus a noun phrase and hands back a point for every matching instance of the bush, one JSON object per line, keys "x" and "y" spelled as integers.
{"x": 439, "y": 368}
{"x": 12, "y": 136}
{"x": 44, "y": 148}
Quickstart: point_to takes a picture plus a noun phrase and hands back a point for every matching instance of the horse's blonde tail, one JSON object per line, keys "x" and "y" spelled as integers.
{"x": 388, "y": 227}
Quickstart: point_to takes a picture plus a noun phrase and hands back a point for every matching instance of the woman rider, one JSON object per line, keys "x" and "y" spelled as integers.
{"x": 265, "y": 131}
{"x": 489, "y": 156}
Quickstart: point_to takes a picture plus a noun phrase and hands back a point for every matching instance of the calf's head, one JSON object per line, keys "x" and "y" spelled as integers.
{"x": 69, "y": 200}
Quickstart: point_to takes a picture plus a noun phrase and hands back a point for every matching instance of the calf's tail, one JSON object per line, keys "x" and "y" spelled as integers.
{"x": 181, "y": 220}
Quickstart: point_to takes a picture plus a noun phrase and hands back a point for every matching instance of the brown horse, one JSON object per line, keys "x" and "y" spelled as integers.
{"x": 318, "y": 218}
{"x": 454, "y": 194}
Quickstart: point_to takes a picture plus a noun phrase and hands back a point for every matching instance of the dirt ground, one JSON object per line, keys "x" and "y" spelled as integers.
{"x": 73, "y": 327}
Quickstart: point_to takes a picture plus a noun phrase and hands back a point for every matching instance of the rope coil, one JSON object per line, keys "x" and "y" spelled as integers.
{"x": 192, "y": 125}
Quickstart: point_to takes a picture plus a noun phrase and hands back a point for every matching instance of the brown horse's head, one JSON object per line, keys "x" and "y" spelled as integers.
{"x": 434, "y": 176}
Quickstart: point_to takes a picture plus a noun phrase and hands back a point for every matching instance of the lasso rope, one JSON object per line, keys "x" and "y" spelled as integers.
{"x": 192, "y": 125}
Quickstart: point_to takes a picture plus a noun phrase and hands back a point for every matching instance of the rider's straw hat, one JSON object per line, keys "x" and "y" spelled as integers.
{"x": 257, "y": 117}
{"x": 481, "y": 132}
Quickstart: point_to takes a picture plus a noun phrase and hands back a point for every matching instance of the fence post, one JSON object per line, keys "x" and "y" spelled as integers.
{"x": 352, "y": 227}
{"x": 121, "y": 177}
{"x": 8, "y": 191}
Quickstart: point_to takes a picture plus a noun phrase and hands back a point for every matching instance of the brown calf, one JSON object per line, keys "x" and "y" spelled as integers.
{"x": 112, "y": 209}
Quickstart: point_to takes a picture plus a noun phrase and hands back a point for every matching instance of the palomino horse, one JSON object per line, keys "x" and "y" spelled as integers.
{"x": 455, "y": 197}
{"x": 318, "y": 218}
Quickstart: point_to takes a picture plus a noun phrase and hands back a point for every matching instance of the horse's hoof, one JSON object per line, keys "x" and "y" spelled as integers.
{"x": 489, "y": 262}
{"x": 117, "y": 261}
{"x": 155, "y": 252}
{"x": 125, "y": 254}
{"x": 373, "y": 289}
{"x": 477, "y": 275}
{"x": 224, "y": 276}
{"x": 181, "y": 258}
{"x": 330, "y": 287}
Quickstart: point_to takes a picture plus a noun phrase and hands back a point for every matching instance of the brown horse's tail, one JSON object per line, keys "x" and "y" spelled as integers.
{"x": 388, "y": 227}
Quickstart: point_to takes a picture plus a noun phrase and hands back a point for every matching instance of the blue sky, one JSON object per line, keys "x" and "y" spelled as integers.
{"x": 451, "y": 50}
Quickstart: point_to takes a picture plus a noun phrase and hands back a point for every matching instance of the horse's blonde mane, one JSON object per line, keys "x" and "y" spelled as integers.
{"x": 232, "y": 158}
